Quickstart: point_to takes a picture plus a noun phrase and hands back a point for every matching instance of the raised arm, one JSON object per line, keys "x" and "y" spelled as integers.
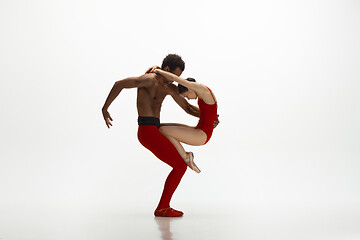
{"x": 172, "y": 77}
{"x": 146, "y": 80}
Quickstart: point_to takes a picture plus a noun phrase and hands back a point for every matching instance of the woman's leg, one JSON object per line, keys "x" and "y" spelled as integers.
{"x": 173, "y": 124}
{"x": 184, "y": 134}
{"x": 189, "y": 135}
{"x": 178, "y": 146}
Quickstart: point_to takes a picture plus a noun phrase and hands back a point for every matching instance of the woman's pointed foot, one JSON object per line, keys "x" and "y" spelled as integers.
{"x": 191, "y": 162}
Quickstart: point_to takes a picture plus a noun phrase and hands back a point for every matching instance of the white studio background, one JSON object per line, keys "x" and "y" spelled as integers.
{"x": 285, "y": 73}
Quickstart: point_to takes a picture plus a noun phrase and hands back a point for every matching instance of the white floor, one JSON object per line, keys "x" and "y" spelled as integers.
{"x": 226, "y": 222}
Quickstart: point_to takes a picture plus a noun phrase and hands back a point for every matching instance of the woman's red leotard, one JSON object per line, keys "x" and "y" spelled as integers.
{"x": 208, "y": 115}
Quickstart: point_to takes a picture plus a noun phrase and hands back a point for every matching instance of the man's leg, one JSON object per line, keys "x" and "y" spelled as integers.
{"x": 152, "y": 139}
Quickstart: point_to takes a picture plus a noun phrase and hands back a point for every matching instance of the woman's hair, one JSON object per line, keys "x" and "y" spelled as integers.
{"x": 182, "y": 88}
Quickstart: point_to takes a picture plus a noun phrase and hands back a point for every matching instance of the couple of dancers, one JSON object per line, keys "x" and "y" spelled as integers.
{"x": 164, "y": 140}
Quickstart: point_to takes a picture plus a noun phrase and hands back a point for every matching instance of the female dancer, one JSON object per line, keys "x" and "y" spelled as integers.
{"x": 196, "y": 136}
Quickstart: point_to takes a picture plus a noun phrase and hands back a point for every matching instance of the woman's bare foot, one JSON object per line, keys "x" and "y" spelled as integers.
{"x": 190, "y": 162}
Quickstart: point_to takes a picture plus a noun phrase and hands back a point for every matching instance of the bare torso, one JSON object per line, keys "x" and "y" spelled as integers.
{"x": 150, "y": 99}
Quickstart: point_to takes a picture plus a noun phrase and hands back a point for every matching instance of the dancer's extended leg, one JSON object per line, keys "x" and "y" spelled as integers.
{"x": 152, "y": 139}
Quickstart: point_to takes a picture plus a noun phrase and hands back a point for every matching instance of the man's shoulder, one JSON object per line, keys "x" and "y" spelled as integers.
{"x": 148, "y": 77}
{"x": 147, "y": 80}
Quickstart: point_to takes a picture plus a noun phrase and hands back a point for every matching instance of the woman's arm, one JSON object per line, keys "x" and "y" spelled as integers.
{"x": 151, "y": 69}
{"x": 172, "y": 77}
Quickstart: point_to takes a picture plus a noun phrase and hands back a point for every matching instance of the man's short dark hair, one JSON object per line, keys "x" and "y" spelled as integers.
{"x": 182, "y": 88}
{"x": 173, "y": 61}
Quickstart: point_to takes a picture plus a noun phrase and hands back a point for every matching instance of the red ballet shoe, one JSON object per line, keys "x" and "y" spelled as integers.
{"x": 168, "y": 212}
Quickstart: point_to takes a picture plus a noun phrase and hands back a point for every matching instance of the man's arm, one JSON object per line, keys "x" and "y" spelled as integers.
{"x": 131, "y": 82}
{"x": 181, "y": 101}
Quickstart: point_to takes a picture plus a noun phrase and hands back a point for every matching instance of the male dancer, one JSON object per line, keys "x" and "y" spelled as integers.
{"x": 151, "y": 91}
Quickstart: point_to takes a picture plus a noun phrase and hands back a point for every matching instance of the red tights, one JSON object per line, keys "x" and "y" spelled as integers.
{"x": 151, "y": 138}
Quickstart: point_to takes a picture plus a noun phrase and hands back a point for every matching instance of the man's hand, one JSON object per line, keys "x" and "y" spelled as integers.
{"x": 107, "y": 118}
{"x": 216, "y": 122}
{"x": 151, "y": 69}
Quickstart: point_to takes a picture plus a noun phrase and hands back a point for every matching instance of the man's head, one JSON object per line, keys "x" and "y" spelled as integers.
{"x": 174, "y": 64}
{"x": 185, "y": 92}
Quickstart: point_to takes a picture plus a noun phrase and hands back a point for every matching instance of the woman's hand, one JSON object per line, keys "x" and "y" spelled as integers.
{"x": 107, "y": 118}
{"x": 151, "y": 69}
{"x": 216, "y": 122}
{"x": 167, "y": 75}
